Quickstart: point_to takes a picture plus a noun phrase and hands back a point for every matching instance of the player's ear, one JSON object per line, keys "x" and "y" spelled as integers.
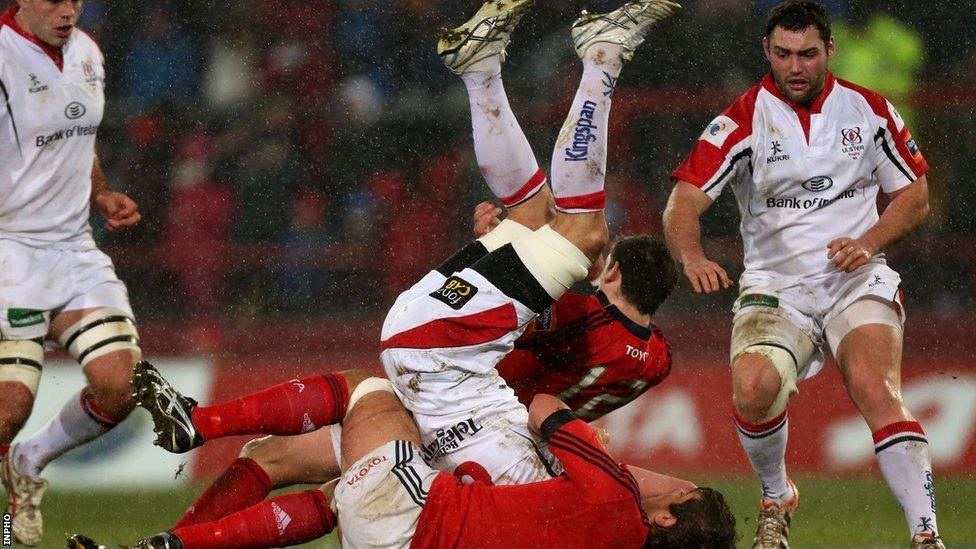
{"x": 765, "y": 47}
{"x": 663, "y": 518}
{"x": 613, "y": 273}
{"x": 831, "y": 48}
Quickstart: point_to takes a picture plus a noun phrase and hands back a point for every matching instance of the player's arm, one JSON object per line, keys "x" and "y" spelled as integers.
{"x": 682, "y": 230}
{"x": 119, "y": 211}
{"x": 908, "y": 208}
{"x": 656, "y": 484}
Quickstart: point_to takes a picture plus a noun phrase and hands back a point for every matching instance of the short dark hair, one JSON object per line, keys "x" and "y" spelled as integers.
{"x": 706, "y": 522}
{"x": 647, "y": 272}
{"x": 797, "y": 15}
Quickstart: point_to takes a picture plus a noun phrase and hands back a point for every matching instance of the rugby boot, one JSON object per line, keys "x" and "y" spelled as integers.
{"x": 171, "y": 411}
{"x": 927, "y": 541}
{"x": 625, "y": 26}
{"x": 24, "y": 495}
{"x": 164, "y": 540}
{"x": 78, "y": 541}
{"x": 773, "y": 524}
{"x": 484, "y": 35}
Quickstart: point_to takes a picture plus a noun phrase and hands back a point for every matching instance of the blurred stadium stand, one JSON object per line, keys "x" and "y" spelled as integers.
{"x": 300, "y": 162}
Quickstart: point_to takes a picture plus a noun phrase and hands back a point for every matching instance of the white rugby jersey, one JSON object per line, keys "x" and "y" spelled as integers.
{"x": 52, "y": 104}
{"x": 803, "y": 176}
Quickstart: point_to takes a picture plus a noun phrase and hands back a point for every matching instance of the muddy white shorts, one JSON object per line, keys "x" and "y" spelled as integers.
{"x": 38, "y": 282}
{"x": 441, "y": 341}
{"x": 379, "y": 498}
{"x": 802, "y": 315}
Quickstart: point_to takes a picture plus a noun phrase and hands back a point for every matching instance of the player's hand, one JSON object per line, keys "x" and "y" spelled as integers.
{"x": 706, "y": 276}
{"x": 848, "y": 254}
{"x": 119, "y": 211}
{"x": 486, "y": 218}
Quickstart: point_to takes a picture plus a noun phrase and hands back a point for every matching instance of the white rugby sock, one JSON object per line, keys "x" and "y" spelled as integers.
{"x": 504, "y": 154}
{"x": 903, "y": 455}
{"x": 579, "y": 159}
{"x": 765, "y": 444}
{"x": 78, "y": 422}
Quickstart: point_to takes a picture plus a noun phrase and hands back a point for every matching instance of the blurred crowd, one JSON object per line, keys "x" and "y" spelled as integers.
{"x": 314, "y": 156}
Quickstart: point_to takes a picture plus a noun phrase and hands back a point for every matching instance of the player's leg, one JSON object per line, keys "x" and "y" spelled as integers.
{"x": 604, "y": 42}
{"x": 475, "y": 51}
{"x": 266, "y": 464}
{"x": 768, "y": 354}
{"x": 105, "y": 342}
{"x": 290, "y": 408}
{"x": 867, "y": 341}
{"x": 20, "y": 375}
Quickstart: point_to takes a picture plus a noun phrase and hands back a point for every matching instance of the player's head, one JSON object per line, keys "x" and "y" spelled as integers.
{"x": 798, "y": 45}
{"x": 50, "y": 20}
{"x": 647, "y": 273}
{"x": 700, "y": 518}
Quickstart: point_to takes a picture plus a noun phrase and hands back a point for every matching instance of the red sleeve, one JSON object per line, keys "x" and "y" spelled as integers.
{"x": 585, "y": 461}
{"x": 900, "y": 162}
{"x": 722, "y": 152}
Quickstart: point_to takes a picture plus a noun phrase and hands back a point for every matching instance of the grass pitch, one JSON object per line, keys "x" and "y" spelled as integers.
{"x": 834, "y": 512}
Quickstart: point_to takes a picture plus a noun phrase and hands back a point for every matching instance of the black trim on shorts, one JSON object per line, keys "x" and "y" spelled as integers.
{"x": 96, "y": 323}
{"x": 747, "y": 152}
{"x": 6, "y": 100}
{"x": 406, "y": 474}
{"x": 506, "y": 271}
{"x": 891, "y": 156}
{"x": 894, "y": 441}
{"x": 464, "y": 258}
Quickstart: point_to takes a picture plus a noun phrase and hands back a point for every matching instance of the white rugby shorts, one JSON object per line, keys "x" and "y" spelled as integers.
{"x": 441, "y": 341}
{"x": 379, "y": 498}
{"x": 809, "y": 305}
{"x": 38, "y": 282}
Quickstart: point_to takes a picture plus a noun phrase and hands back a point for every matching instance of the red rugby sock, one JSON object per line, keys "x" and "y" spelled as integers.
{"x": 291, "y": 408}
{"x": 277, "y": 522}
{"x": 242, "y": 485}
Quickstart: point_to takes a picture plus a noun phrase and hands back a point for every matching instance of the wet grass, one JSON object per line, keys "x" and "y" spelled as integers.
{"x": 834, "y": 512}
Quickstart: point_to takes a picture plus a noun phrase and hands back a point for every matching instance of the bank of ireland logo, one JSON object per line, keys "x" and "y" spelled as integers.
{"x": 818, "y": 183}
{"x": 74, "y": 110}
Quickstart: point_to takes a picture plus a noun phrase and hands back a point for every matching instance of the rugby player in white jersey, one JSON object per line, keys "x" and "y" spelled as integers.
{"x": 54, "y": 282}
{"x": 806, "y": 155}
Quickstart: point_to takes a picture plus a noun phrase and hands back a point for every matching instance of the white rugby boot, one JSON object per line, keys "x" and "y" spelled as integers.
{"x": 773, "y": 524}
{"x": 24, "y": 496}
{"x": 484, "y": 35}
{"x": 625, "y": 26}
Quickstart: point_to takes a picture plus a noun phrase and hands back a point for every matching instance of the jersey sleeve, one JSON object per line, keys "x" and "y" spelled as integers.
{"x": 585, "y": 461}
{"x": 900, "y": 161}
{"x": 723, "y": 151}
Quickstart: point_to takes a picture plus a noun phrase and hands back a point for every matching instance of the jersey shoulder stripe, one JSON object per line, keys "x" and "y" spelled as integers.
{"x": 720, "y": 146}
{"x": 909, "y": 159}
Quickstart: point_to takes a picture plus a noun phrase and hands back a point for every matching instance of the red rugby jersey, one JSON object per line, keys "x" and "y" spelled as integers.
{"x": 587, "y": 353}
{"x": 594, "y": 504}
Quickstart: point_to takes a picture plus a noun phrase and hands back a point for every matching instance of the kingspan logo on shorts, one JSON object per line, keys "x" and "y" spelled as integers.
{"x": 583, "y": 134}
{"x": 818, "y": 183}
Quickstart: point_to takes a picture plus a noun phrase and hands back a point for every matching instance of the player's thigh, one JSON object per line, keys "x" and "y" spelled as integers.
{"x": 375, "y": 417}
{"x": 868, "y": 339}
{"x": 309, "y": 458}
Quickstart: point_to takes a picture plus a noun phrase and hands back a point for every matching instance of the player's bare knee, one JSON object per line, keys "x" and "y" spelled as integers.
{"x": 757, "y": 387}
{"x": 15, "y": 408}
{"x": 875, "y": 397}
